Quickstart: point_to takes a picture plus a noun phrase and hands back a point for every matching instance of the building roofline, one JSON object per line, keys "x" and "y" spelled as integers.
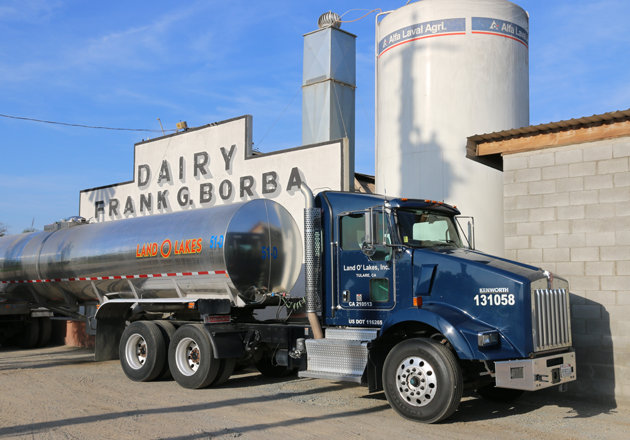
{"x": 489, "y": 148}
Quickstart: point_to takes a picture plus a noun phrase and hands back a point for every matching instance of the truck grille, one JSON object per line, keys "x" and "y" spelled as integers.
{"x": 551, "y": 319}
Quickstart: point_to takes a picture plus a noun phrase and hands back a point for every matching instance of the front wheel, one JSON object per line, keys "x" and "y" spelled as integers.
{"x": 422, "y": 380}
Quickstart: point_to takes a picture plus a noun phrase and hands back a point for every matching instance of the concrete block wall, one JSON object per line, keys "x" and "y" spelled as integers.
{"x": 567, "y": 210}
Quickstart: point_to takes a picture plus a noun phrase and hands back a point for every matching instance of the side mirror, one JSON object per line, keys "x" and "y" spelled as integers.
{"x": 369, "y": 227}
{"x": 371, "y": 233}
{"x": 368, "y": 249}
{"x": 469, "y": 232}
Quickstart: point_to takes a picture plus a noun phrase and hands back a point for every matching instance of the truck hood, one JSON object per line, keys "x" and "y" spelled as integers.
{"x": 487, "y": 289}
{"x": 477, "y": 257}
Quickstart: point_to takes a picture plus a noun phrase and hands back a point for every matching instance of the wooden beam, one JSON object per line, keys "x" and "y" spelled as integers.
{"x": 555, "y": 138}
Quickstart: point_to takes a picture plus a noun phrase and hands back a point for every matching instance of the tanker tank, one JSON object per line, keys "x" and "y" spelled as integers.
{"x": 238, "y": 251}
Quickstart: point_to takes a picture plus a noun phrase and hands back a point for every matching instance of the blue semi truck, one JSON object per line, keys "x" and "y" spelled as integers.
{"x": 396, "y": 298}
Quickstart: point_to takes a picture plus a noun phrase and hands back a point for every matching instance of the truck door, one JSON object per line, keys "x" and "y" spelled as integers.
{"x": 365, "y": 283}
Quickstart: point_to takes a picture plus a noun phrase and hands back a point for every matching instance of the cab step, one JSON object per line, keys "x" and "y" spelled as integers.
{"x": 340, "y": 356}
{"x": 332, "y": 376}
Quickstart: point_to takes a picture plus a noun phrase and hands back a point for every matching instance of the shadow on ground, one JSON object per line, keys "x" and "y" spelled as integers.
{"x": 471, "y": 409}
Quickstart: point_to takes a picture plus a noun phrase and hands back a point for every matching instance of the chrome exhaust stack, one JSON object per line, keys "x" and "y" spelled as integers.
{"x": 312, "y": 252}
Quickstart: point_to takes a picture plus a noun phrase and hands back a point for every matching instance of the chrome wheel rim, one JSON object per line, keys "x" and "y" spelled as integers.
{"x": 136, "y": 351}
{"x": 416, "y": 381}
{"x": 187, "y": 356}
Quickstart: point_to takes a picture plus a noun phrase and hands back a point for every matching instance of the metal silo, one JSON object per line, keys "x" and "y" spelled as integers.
{"x": 446, "y": 70}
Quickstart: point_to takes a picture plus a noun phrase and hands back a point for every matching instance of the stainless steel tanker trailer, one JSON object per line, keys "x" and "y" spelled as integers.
{"x": 155, "y": 272}
{"x": 395, "y": 298}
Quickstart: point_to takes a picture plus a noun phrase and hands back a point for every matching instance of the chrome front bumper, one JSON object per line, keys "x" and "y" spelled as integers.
{"x": 536, "y": 374}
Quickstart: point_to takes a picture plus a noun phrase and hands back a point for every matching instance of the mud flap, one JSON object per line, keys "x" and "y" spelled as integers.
{"x": 108, "y": 334}
{"x": 226, "y": 343}
{"x": 110, "y": 323}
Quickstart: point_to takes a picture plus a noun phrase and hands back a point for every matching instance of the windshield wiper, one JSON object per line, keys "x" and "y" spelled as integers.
{"x": 446, "y": 243}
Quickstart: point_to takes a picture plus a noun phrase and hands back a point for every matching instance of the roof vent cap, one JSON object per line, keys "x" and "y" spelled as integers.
{"x": 329, "y": 19}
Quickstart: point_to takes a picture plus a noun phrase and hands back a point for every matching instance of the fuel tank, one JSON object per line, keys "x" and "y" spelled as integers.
{"x": 236, "y": 251}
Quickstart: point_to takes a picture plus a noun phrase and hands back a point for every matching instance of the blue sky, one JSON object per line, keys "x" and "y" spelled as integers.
{"x": 125, "y": 64}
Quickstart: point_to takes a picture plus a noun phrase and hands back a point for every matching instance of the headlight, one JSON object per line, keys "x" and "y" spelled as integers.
{"x": 487, "y": 338}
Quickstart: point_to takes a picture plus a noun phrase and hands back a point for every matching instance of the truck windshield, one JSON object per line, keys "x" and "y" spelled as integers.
{"x": 422, "y": 228}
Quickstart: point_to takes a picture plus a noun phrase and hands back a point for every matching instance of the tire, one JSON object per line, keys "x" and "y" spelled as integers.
{"x": 226, "y": 368}
{"x": 422, "y": 380}
{"x": 7, "y": 341}
{"x": 268, "y": 368}
{"x": 29, "y": 335}
{"x": 241, "y": 365}
{"x": 501, "y": 395}
{"x": 168, "y": 330}
{"x": 142, "y": 351}
{"x": 191, "y": 358}
{"x": 9, "y": 337}
{"x": 45, "y": 331}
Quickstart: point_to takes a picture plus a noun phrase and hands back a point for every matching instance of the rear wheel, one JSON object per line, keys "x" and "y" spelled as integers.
{"x": 7, "y": 339}
{"x": 142, "y": 351}
{"x": 168, "y": 330}
{"x": 226, "y": 368}
{"x": 502, "y": 395}
{"x": 30, "y": 334}
{"x": 191, "y": 358}
{"x": 422, "y": 380}
{"x": 45, "y": 331}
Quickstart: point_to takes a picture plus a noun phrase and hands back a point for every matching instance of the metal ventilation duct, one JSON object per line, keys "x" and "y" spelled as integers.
{"x": 329, "y": 81}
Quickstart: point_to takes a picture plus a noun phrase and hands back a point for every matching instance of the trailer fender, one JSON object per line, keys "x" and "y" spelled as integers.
{"x": 114, "y": 309}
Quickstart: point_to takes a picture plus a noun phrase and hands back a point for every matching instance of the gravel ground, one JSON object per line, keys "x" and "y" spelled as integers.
{"x": 60, "y": 393}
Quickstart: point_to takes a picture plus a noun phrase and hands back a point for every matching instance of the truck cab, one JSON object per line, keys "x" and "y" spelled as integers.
{"x": 402, "y": 274}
